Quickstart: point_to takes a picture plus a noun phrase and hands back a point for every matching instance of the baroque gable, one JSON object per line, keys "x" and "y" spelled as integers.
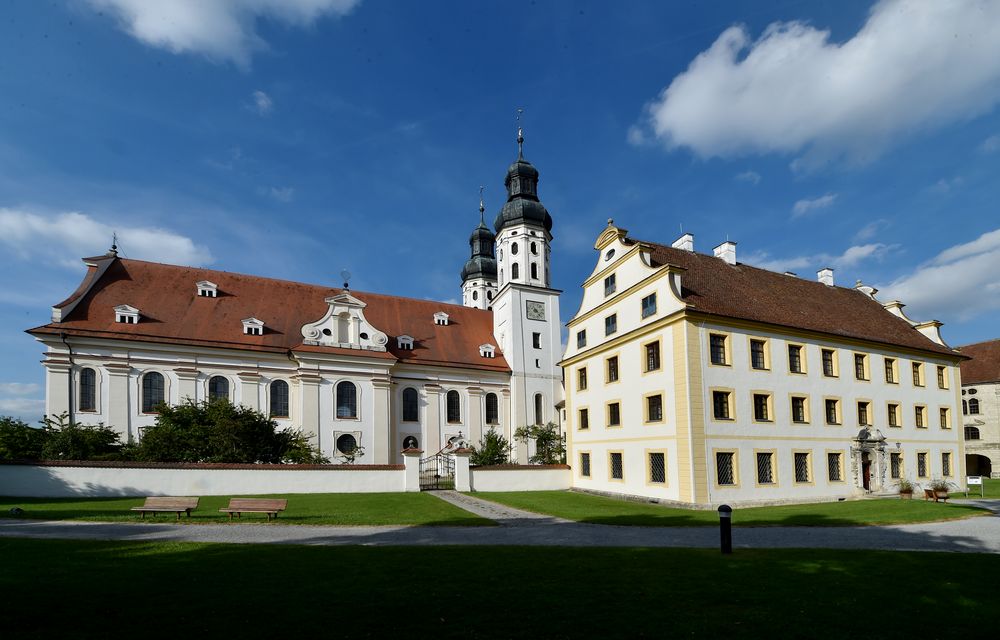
{"x": 344, "y": 325}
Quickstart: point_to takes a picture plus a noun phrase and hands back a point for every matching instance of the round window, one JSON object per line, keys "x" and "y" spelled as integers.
{"x": 610, "y": 254}
{"x": 327, "y": 332}
{"x": 475, "y": 295}
{"x": 489, "y": 295}
{"x": 411, "y": 442}
{"x": 364, "y": 336}
{"x": 973, "y": 392}
{"x": 347, "y": 443}
{"x": 513, "y": 248}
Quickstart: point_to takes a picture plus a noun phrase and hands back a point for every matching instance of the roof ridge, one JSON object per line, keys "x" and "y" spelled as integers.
{"x": 976, "y": 344}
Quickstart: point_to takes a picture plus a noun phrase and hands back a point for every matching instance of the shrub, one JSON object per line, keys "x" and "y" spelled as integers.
{"x": 493, "y": 449}
{"x": 549, "y": 446}
{"x": 66, "y": 440}
{"x": 18, "y": 441}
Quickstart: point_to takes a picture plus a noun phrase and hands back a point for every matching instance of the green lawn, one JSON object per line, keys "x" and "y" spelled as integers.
{"x": 319, "y": 508}
{"x": 61, "y": 588}
{"x": 991, "y": 489}
{"x": 584, "y": 507}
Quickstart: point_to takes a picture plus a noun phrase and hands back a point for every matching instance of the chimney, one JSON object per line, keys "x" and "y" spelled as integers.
{"x": 825, "y": 275}
{"x": 726, "y": 251}
{"x": 685, "y": 242}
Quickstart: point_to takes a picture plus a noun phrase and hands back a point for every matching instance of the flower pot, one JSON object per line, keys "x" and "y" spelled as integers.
{"x": 941, "y": 494}
{"x": 906, "y": 495}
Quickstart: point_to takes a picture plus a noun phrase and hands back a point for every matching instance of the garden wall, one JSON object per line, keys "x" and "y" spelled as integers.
{"x": 521, "y": 478}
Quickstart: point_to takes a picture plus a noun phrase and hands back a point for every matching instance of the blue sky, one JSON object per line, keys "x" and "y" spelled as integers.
{"x": 296, "y": 138}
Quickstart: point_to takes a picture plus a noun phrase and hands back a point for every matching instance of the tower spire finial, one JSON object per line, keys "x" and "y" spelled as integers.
{"x": 520, "y": 135}
{"x": 482, "y": 207}
{"x": 114, "y": 244}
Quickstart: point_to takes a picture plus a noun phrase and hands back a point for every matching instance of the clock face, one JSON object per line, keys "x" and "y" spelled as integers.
{"x": 535, "y": 310}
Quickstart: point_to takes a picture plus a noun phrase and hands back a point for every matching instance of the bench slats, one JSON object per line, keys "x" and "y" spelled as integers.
{"x": 177, "y": 504}
{"x": 270, "y": 506}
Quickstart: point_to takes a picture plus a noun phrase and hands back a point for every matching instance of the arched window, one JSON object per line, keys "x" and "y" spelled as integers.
{"x": 515, "y": 271}
{"x": 411, "y": 442}
{"x": 152, "y": 391}
{"x": 513, "y": 249}
{"x": 965, "y": 407}
{"x": 218, "y": 387}
{"x": 279, "y": 399}
{"x": 489, "y": 295}
{"x": 971, "y": 433}
{"x": 539, "y": 419}
{"x": 534, "y": 249}
{"x": 411, "y": 405}
{"x": 88, "y": 390}
{"x": 454, "y": 407}
{"x": 347, "y": 443}
{"x": 492, "y": 409}
{"x": 347, "y": 400}
{"x": 974, "y": 406}
{"x": 534, "y": 271}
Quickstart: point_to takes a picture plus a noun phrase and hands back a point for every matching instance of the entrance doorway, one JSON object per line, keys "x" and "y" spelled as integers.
{"x": 866, "y": 471}
{"x": 977, "y": 465}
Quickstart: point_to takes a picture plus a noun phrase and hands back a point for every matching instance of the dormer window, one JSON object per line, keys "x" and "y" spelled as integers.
{"x": 441, "y": 318}
{"x": 207, "y": 289}
{"x": 253, "y": 327}
{"x": 487, "y": 350}
{"x": 405, "y": 343}
{"x": 126, "y": 314}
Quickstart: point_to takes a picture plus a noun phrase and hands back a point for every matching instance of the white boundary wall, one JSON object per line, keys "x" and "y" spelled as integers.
{"x": 530, "y": 478}
{"x": 45, "y": 481}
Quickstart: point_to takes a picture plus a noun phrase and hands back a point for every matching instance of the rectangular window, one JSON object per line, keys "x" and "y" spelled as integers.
{"x": 832, "y": 411}
{"x": 581, "y": 339}
{"x": 799, "y": 410}
{"x": 652, "y": 356}
{"x": 614, "y": 415}
{"x": 921, "y": 465}
{"x": 860, "y": 366}
{"x": 942, "y": 375}
{"x": 757, "y": 357}
{"x": 585, "y": 465}
{"x": 760, "y": 408}
{"x": 611, "y": 324}
{"x": 720, "y": 405}
{"x": 834, "y": 473}
{"x": 584, "y": 418}
{"x": 725, "y": 468}
{"x": 654, "y": 408}
{"x": 893, "y": 413}
{"x": 829, "y": 366}
{"x": 946, "y": 463}
{"x": 802, "y": 467}
{"x": 890, "y": 370}
{"x": 649, "y": 305}
{"x": 895, "y": 465}
{"x": 657, "y": 468}
{"x": 581, "y": 379}
{"x": 863, "y": 418}
{"x": 610, "y": 285}
{"x": 536, "y": 340}
{"x": 945, "y": 418}
{"x": 919, "y": 413}
{"x": 617, "y": 468}
{"x": 717, "y": 344}
{"x": 765, "y": 468}
{"x": 612, "y": 372}
{"x": 918, "y": 374}
{"x": 795, "y": 358}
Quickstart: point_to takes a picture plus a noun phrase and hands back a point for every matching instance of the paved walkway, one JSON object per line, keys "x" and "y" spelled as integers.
{"x": 519, "y": 528}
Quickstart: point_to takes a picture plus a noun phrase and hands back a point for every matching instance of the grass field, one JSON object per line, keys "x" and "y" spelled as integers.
{"x": 991, "y": 489}
{"x": 323, "y": 508}
{"x": 81, "y": 589}
{"x": 583, "y": 507}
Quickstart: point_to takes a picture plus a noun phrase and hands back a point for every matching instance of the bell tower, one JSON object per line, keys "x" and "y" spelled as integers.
{"x": 479, "y": 275}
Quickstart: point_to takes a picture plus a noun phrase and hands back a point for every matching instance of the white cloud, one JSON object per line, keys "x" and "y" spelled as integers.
{"x": 281, "y": 194}
{"x": 961, "y": 282}
{"x": 64, "y": 238}
{"x": 990, "y": 144}
{"x": 869, "y": 231}
{"x": 749, "y": 176}
{"x": 946, "y": 185}
{"x": 222, "y": 30}
{"x": 807, "y": 206}
{"x": 852, "y": 256}
{"x": 28, "y": 409}
{"x": 912, "y": 66}
{"x": 19, "y": 388}
{"x": 262, "y": 103}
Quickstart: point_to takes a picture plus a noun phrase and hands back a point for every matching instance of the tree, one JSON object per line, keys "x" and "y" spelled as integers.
{"x": 68, "y": 440}
{"x": 219, "y": 431}
{"x": 492, "y": 449}
{"x": 19, "y": 441}
{"x": 549, "y": 446}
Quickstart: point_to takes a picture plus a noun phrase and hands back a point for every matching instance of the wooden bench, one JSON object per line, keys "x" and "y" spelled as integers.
{"x": 930, "y": 494}
{"x": 166, "y": 504}
{"x": 269, "y": 506}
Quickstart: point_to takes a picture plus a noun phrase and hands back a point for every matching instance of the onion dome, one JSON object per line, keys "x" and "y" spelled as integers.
{"x": 482, "y": 264}
{"x": 522, "y": 204}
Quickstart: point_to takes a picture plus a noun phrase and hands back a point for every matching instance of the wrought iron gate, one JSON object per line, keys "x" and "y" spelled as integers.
{"x": 437, "y": 472}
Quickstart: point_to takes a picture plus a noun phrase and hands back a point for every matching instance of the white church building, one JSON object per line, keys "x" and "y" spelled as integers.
{"x": 385, "y": 373}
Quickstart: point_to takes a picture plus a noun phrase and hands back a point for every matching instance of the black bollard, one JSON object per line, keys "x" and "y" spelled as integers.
{"x": 726, "y": 528}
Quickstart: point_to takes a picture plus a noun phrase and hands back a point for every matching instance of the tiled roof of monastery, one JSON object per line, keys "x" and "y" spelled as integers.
{"x": 172, "y": 312}
{"x": 749, "y": 293}
{"x": 985, "y": 363}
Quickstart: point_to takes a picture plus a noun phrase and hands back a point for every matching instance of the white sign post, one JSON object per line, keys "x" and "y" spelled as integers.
{"x": 971, "y": 480}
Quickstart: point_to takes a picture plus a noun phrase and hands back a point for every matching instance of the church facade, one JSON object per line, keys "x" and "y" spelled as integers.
{"x": 354, "y": 369}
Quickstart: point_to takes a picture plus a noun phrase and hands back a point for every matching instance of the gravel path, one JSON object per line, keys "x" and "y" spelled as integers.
{"x": 980, "y": 534}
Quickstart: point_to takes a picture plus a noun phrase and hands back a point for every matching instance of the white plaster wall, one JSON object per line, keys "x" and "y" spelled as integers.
{"x": 57, "y": 482}
{"x": 532, "y": 479}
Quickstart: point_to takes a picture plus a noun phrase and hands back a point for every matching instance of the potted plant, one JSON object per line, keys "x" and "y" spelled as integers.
{"x": 940, "y": 489}
{"x": 905, "y": 489}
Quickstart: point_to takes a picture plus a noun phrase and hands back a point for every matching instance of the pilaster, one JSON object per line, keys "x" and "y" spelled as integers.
{"x": 475, "y": 415}
{"x": 187, "y": 389}
{"x": 119, "y": 399}
{"x": 432, "y": 433}
{"x": 250, "y": 389}
{"x": 381, "y": 420}
{"x": 309, "y": 407}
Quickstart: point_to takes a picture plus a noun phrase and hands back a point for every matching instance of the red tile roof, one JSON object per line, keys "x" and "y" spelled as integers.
{"x": 743, "y": 292}
{"x": 985, "y": 363}
{"x": 172, "y": 312}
